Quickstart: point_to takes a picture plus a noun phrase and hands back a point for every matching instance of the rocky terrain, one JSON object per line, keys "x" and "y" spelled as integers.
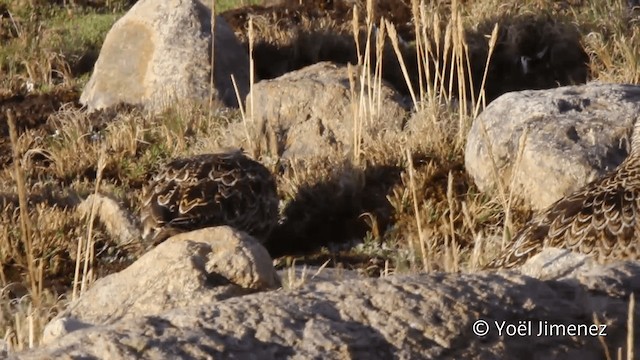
{"x": 183, "y": 314}
{"x": 406, "y": 154}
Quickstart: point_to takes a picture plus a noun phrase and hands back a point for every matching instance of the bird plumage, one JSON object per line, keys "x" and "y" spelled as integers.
{"x": 600, "y": 219}
{"x": 226, "y": 188}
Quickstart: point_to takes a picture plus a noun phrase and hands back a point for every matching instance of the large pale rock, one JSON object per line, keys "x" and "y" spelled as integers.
{"x": 574, "y": 134}
{"x": 427, "y": 316}
{"x": 309, "y": 112}
{"x": 189, "y": 269}
{"x": 159, "y": 53}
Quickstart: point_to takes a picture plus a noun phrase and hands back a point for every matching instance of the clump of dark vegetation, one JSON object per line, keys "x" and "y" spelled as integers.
{"x": 533, "y": 51}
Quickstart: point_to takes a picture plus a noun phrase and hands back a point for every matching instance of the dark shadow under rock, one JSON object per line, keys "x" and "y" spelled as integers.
{"x": 532, "y": 52}
{"x": 335, "y": 210}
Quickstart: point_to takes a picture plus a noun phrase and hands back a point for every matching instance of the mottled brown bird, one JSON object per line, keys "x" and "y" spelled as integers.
{"x": 600, "y": 219}
{"x": 226, "y": 188}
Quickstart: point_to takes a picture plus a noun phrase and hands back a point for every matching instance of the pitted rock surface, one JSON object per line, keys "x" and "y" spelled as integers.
{"x": 310, "y": 112}
{"x": 189, "y": 269}
{"x": 427, "y": 316}
{"x": 571, "y": 136}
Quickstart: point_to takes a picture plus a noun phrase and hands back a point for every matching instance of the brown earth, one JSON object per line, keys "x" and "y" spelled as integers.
{"x": 31, "y": 111}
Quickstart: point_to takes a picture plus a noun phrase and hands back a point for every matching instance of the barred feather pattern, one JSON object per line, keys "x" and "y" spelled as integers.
{"x": 600, "y": 220}
{"x": 207, "y": 190}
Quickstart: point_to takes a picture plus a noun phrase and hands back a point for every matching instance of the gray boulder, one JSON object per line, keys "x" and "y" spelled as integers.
{"x": 574, "y": 135}
{"x": 189, "y": 269}
{"x": 309, "y": 112}
{"x": 427, "y": 316}
{"x": 159, "y": 53}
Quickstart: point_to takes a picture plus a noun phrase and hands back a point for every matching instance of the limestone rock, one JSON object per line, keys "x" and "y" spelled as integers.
{"x": 574, "y": 135}
{"x": 198, "y": 267}
{"x": 4, "y": 349}
{"x": 426, "y": 316}
{"x": 295, "y": 276}
{"x": 61, "y": 326}
{"x": 310, "y": 112}
{"x": 118, "y": 222}
{"x": 159, "y": 53}
{"x": 554, "y": 263}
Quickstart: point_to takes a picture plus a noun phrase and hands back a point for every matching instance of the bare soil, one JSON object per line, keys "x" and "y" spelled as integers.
{"x": 31, "y": 111}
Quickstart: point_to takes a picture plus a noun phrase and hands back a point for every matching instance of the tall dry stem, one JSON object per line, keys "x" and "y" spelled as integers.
{"x": 25, "y": 221}
{"x": 252, "y": 148}
{"x": 420, "y": 44}
{"x": 355, "y": 27}
{"x": 88, "y": 253}
{"x": 482, "y": 97}
{"x": 424, "y": 249}
{"x": 356, "y": 112}
{"x": 601, "y": 339}
{"x": 453, "y": 246}
{"x": 393, "y": 35}
{"x": 212, "y": 90}
{"x": 251, "y": 36}
{"x": 380, "y": 39}
{"x": 630, "y": 328}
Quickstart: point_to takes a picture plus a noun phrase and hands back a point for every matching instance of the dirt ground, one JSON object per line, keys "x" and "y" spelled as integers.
{"x": 31, "y": 111}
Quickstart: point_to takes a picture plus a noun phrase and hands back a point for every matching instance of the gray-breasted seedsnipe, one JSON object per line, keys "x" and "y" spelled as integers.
{"x": 600, "y": 219}
{"x": 226, "y": 188}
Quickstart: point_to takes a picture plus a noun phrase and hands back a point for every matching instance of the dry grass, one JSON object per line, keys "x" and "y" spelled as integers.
{"x": 406, "y": 199}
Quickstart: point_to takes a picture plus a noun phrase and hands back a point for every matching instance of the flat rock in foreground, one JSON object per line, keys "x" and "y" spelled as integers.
{"x": 429, "y": 316}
